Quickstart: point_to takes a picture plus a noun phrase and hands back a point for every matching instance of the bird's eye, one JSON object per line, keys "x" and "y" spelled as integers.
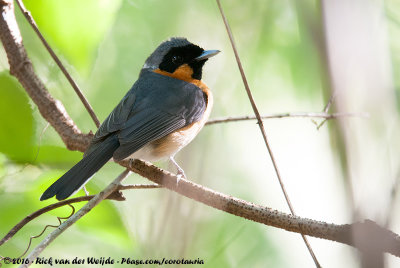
{"x": 176, "y": 59}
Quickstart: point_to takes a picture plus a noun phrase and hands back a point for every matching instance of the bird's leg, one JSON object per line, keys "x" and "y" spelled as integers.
{"x": 130, "y": 162}
{"x": 181, "y": 173}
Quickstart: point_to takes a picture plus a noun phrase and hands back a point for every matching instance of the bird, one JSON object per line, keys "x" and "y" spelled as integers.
{"x": 162, "y": 112}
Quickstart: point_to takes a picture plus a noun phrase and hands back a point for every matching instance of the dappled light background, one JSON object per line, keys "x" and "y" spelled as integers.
{"x": 296, "y": 54}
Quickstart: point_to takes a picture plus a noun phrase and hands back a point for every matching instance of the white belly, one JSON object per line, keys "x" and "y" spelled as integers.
{"x": 169, "y": 145}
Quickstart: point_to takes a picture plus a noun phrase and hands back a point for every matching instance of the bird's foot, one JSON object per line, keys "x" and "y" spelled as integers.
{"x": 181, "y": 173}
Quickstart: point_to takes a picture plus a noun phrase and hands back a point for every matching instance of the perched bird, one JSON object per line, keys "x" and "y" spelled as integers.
{"x": 163, "y": 111}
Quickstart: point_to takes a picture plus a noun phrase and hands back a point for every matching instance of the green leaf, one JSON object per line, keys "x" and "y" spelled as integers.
{"x": 56, "y": 155}
{"x": 17, "y": 124}
{"x": 65, "y": 25}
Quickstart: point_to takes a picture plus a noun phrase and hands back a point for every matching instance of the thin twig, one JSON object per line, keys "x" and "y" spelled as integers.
{"x": 45, "y": 228}
{"x": 326, "y": 109}
{"x": 116, "y": 196}
{"x": 325, "y": 116}
{"x": 82, "y": 212}
{"x": 40, "y": 141}
{"x": 78, "y": 91}
{"x": 329, "y": 103}
{"x": 261, "y": 125}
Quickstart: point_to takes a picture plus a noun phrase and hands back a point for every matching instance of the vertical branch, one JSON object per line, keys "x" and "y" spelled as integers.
{"x": 359, "y": 62}
{"x": 317, "y": 30}
{"x": 330, "y": 90}
{"x": 76, "y": 88}
{"x": 261, "y": 126}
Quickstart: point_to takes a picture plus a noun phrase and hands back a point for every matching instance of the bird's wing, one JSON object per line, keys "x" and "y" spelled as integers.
{"x": 114, "y": 121}
{"x": 156, "y": 106}
{"x": 145, "y": 127}
{"x": 116, "y": 118}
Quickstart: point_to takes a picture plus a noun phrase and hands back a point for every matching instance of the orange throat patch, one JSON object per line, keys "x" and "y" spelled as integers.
{"x": 185, "y": 73}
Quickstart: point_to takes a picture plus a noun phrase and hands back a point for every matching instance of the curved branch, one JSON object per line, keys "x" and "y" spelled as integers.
{"x": 53, "y": 111}
{"x": 74, "y": 218}
{"x": 116, "y": 195}
{"x": 39, "y": 212}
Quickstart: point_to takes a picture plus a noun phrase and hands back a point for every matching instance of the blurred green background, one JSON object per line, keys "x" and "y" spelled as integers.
{"x": 104, "y": 45}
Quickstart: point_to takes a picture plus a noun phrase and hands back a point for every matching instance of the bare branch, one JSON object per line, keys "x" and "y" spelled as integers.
{"x": 139, "y": 186}
{"x": 329, "y": 103}
{"x": 78, "y": 91}
{"x": 82, "y": 212}
{"x": 116, "y": 195}
{"x": 45, "y": 228}
{"x": 261, "y": 125}
{"x": 340, "y": 233}
{"x": 323, "y": 115}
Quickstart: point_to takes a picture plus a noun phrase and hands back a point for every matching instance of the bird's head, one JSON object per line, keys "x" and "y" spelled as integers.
{"x": 179, "y": 58}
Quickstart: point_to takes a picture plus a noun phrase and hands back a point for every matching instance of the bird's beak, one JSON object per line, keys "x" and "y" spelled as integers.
{"x": 207, "y": 54}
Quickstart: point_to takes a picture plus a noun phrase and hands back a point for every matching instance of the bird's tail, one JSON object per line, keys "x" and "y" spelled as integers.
{"x": 79, "y": 174}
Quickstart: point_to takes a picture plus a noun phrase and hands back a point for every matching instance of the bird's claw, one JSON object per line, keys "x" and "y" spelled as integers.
{"x": 180, "y": 175}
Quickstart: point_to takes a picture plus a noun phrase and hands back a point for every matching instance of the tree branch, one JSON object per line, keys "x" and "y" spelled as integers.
{"x": 83, "y": 211}
{"x": 74, "y": 85}
{"x": 54, "y": 112}
{"x": 262, "y": 129}
{"x": 388, "y": 241}
{"x": 322, "y": 115}
{"x": 116, "y": 195}
{"x": 21, "y": 67}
